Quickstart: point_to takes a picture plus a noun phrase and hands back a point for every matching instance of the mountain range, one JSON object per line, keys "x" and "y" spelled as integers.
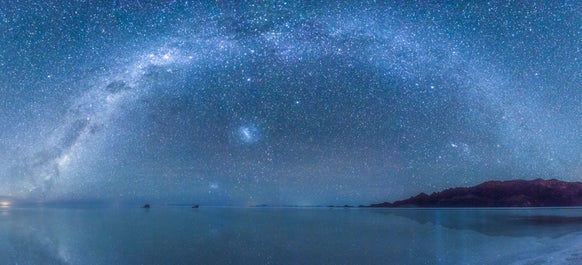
{"x": 512, "y": 193}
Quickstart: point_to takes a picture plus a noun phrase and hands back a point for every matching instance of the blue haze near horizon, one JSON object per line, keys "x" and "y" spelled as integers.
{"x": 290, "y": 236}
{"x": 284, "y": 103}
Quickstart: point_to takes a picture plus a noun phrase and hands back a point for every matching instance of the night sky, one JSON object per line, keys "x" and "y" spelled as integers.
{"x": 284, "y": 103}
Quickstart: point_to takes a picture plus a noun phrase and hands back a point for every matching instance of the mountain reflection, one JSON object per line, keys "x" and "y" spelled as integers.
{"x": 499, "y": 222}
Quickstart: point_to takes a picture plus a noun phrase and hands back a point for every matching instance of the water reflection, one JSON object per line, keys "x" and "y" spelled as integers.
{"x": 285, "y": 236}
{"x": 551, "y": 223}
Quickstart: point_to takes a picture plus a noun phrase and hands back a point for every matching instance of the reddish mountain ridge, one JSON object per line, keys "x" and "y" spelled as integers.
{"x": 512, "y": 193}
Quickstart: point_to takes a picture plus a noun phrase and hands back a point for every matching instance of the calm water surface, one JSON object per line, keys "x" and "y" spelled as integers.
{"x": 290, "y": 236}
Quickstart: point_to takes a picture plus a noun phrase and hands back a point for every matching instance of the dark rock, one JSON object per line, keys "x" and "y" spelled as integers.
{"x": 384, "y": 204}
{"x": 195, "y": 206}
{"x": 513, "y": 193}
{"x": 147, "y": 206}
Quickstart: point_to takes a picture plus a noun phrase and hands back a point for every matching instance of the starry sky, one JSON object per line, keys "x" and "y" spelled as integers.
{"x": 284, "y": 103}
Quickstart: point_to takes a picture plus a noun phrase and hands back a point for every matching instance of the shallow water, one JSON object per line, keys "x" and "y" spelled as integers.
{"x": 290, "y": 236}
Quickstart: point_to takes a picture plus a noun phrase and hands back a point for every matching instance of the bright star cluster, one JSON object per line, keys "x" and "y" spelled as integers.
{"x": 280, "y": 102}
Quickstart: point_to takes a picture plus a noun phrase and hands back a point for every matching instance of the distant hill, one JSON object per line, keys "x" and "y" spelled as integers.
{"x": 512, "y": 193}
